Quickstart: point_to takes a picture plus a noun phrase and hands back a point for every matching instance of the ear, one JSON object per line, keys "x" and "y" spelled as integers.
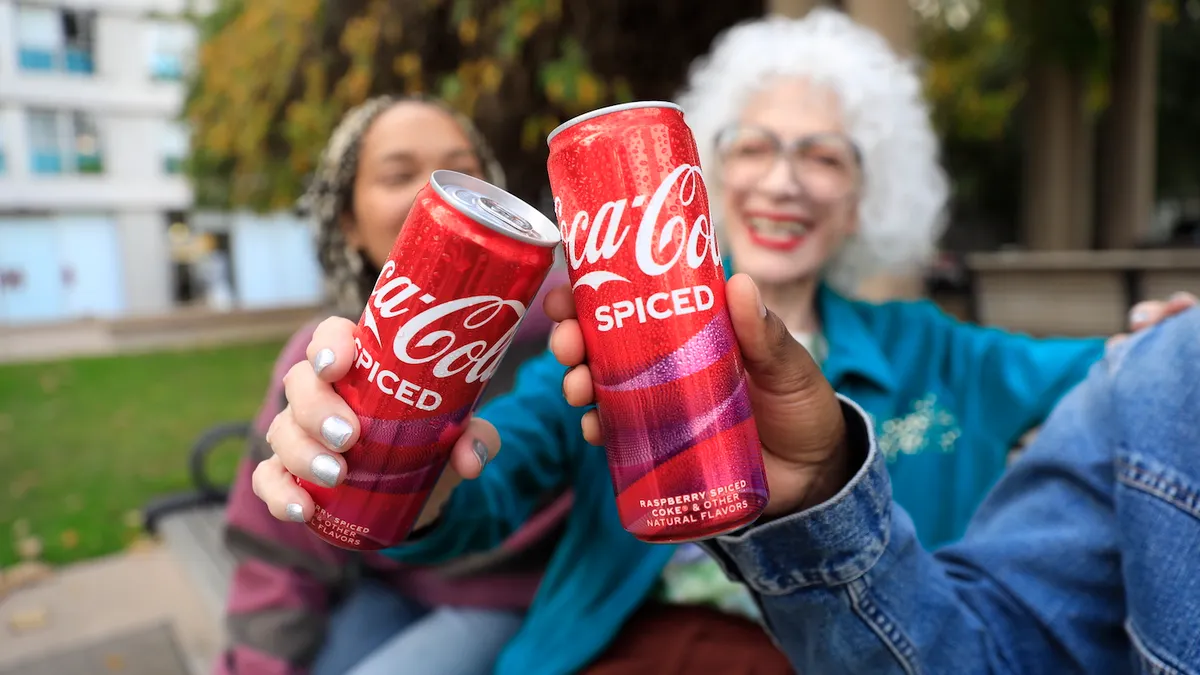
{"x": 350, "y": 230}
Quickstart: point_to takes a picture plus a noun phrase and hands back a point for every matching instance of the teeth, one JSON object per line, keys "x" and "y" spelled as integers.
{"x": 788, "y": 228}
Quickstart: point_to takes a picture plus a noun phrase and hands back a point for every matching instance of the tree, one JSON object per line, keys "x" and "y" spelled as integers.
{"x": 274, "y": 76}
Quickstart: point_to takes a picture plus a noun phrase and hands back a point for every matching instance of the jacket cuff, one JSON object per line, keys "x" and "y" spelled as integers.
{"x": 830, "y": 544}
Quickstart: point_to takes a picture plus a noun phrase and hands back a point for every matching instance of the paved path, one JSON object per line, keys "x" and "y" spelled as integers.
{"x": 83, "y": 604}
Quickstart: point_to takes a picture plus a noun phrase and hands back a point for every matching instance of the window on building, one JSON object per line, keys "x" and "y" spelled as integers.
{"x": 174, "y": 147}
{"x": 170, "y": 46}
{"x": 86, "y": 137}
{"x": 45, "y": 143}
{"x": 52, "y": 39}
{"x": 64, "y": 142}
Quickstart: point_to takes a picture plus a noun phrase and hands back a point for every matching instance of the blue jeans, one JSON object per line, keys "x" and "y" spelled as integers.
{"x": 375, "y": 631}
{"x": 1085, "y": 558}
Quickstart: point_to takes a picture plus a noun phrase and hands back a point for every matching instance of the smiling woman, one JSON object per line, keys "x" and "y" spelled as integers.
{"x": 822, "y": 169}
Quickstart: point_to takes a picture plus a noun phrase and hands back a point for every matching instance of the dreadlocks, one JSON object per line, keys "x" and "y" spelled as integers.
{"x": 349, "y": 277}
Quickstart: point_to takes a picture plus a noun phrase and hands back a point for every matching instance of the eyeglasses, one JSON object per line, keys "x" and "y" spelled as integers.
{"x": 827, "y": 166}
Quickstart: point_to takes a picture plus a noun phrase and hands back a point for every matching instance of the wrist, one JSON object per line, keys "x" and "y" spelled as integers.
{"x": 829, "y": 478}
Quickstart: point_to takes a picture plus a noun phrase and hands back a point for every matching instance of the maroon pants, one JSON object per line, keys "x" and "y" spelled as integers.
{"x": 669, "y": 640}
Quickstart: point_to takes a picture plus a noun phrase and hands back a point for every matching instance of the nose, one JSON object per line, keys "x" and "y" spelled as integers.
{"x": 780, "y": 180}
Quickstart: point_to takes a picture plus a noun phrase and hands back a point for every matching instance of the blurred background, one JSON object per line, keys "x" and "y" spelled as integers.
{"x": 151, "y": 262}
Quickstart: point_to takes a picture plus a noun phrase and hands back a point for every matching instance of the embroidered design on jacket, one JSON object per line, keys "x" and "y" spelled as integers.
{"x": 927, "y": 428}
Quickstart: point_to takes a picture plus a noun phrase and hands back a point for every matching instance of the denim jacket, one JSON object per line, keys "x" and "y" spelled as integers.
{"x": 1085, "y": 557}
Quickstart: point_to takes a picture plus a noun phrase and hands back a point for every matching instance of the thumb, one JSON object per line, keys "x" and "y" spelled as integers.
{"x": 774, "y": 360}
{"x": 798, "y": 416}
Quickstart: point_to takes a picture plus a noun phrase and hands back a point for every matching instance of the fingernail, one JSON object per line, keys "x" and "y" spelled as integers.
{"x": 324, "y": 359}
{"x": 481, "y": 453}
{"x": 336, "y": 430}
{"x": 295, "y": 513}
{"x": 326, "y": 470}
{"x": 762, "y": 309}
{"x": 1179, "y": 295}
{"x": 1138, "y": 316}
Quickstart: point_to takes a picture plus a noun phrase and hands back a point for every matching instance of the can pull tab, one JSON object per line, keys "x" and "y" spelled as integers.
{"x": 485, "y": 207}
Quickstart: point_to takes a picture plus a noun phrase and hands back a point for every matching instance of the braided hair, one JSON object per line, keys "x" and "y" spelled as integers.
{"x": 349, "y": 276}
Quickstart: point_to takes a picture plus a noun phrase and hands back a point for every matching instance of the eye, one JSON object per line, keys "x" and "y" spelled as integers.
{"x": 750, "y": 149}
{"x": 472, "y": 170}
{"x": 398, "y": 178}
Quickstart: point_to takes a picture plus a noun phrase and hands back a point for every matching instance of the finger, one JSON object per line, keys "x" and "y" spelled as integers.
{"x": 577, "y": 386}
{"x": 301, "y": 454}
{"x": 773, "y": 358}
{"x": 1115, "y": 340}
{"x": 1145, "y": 313}
{"x": 567, "y": 343}
{"x": 278, "y": 490}
{"x": 559, "y": 304}
{"x": 590, "y": 425}
{"x": 318, "y": 409}
{"x": 478, "y": 445}
{"x": 331, "y": 350}
{"x": 437, "y": 498}
{"x": 1179, "y": 302}
{"x": 473, "y": 451}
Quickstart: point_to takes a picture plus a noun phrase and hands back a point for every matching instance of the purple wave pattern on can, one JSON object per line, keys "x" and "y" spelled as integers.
{"x": 633, "y": 452}
{"x": 702, "y": 350}
{"x": 412, "y": 433}
{"x": 408, "y": 482}
{"x": 375, "y": 470}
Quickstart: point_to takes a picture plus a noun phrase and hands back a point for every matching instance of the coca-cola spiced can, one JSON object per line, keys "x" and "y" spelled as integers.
{"x": 448, "y": 302}
{"x": 649, "y": 287}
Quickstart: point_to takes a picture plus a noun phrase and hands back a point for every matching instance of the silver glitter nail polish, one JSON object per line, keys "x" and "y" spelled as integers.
{"x": 323, "y": 360}
{"x": 295, "y": 513}
{"x": 326, "y": 470}
{"x": 481, "y": 453}
{"x": 336, "y": 431}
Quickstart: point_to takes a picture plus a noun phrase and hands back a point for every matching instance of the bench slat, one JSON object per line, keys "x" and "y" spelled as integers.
{"x": 195, "y": 536}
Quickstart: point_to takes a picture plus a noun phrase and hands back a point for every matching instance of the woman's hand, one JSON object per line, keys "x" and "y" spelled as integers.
{"x": 317, "y": 426}
{"x": 1150, "y": 312}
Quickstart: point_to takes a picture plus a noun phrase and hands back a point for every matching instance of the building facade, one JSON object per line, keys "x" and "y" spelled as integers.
{"x": 94, "y": 208}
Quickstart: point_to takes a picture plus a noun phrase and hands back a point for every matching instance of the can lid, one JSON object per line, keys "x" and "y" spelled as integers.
{"x": 494, "y": 208}
{"x": 600, "y": 112}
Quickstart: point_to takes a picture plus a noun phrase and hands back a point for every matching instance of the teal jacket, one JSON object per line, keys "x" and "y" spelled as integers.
{"x": 948, "y": 401}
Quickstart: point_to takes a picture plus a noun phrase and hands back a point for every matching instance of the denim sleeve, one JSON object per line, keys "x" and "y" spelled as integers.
{"x": 1034, "y": 587}
{"x": 538, "y": 430}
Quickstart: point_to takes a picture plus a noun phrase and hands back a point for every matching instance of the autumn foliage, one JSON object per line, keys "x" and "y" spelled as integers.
{"x": 274, "y": 76}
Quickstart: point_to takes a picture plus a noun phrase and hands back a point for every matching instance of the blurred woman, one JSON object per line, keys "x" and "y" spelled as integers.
{"x": 298, "y": 604}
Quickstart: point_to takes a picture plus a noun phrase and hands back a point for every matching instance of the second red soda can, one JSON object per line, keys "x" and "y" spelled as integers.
{"x": 469, "y": 260}
{"x": 649, "y": 287}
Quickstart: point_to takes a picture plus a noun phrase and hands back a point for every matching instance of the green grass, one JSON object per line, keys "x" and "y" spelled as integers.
{"x": 85, "y": 443}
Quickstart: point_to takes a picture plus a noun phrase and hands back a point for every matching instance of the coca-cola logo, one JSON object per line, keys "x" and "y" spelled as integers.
{"x": 429, "y": 335}
{"x": 658, "y": 246}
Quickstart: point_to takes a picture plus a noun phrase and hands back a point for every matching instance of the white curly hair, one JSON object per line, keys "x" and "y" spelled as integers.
{"x": 901, "y": 212}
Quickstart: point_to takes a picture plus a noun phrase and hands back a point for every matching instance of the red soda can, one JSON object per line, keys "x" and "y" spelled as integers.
{"x": 468, "y": 261}
{"x": 649, "y": 288}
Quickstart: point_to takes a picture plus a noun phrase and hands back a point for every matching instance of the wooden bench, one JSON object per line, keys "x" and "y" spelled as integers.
{"x": 1075, "y": 292}
{"x": 195, "y": 537}
{"x": 192, "y": 524}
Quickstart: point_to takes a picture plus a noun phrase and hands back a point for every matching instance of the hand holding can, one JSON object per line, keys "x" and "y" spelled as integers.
{"x": 648, "y": 283}
{"x": 447, "y": 304}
